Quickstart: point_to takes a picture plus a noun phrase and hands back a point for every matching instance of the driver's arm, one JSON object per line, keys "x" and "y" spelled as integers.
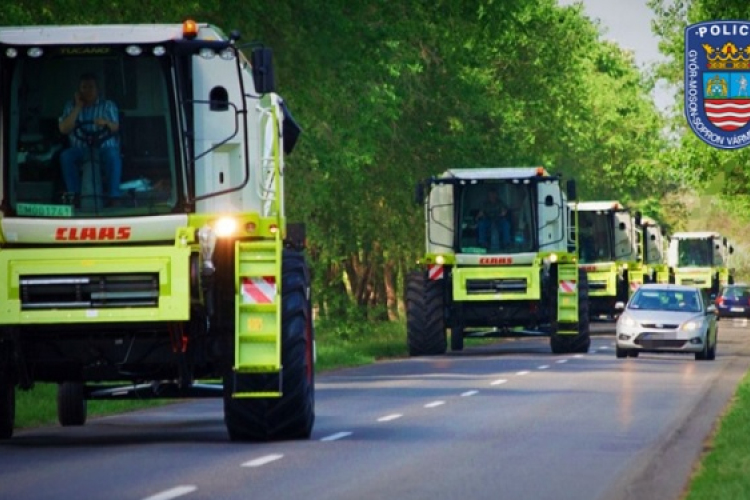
{"x": 111, "y": 117}
{"x": 68, "y": 123}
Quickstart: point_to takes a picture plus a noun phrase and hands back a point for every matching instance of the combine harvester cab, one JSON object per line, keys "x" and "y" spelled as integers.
{"x": 701, "y": 259}
{"x": 653, "y": 249}
{"x": 608, "y": 250}
{"x": 490, "y": 273}
{"x": 192, "y": 273}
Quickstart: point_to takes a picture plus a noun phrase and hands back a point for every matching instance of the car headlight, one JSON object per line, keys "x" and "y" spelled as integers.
{"x": 626, "y": 320}
{"x": 691, "y": 326}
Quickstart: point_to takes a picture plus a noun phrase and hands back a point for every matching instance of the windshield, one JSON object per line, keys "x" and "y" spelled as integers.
{"x": 665, "y": 300}
{"x": 695, "y": 252}
{"x": 497, "y": 218}
{"x": 596, "y": 236}
{"x": 89, "y": 136}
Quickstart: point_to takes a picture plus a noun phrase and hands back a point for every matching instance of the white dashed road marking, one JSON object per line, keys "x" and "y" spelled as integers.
{"x": 524, "y": 372}
{"x": 543, "y": 367}
{"x": 388, "y": 418}
{"x": 469, "y": 393}
{"x": 498, "y": 382}
{"x": 175, "y": 492}
{"x": 338, "y": 435}
{"x": 434, "y": 404}
{"x": 262, "y": 460}
{"x": 578, "y": 356}
{"x": 561, "y": 361}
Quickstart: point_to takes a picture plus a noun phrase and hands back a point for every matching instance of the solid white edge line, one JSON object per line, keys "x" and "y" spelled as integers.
{"x": 469, "y": 393}
{"x": 498, "y": 381}
{"x": 388, "y": 418}
{"x": 543, "y": 367}
{"x": 434, "y": 404}
{"x": 561, "y": 361}
{"x": 338, "y": 435}
{"x": 257, "y": 462}
{"x": 524, "y": 372}
{"x": 175, "y": 492}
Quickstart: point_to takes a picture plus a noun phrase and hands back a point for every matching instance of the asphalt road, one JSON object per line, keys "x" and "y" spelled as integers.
{"x": 506, "y": 421}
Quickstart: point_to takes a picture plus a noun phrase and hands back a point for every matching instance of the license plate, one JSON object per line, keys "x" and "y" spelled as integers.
{"x": 659, "y": 336}
{"x": 737, "y": 309}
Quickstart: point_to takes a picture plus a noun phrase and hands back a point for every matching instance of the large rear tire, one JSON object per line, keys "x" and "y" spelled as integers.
{"x": 425, "y": 320}
{"x": 292, "y": 415}
{"x": 457, "y": 338}
{"x": 7, "y": 407}
{"x": 71, "y": 404}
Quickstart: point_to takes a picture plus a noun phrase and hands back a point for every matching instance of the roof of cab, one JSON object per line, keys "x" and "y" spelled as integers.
{"x": 100, "y": 34}
{"x": 490, "y": 173}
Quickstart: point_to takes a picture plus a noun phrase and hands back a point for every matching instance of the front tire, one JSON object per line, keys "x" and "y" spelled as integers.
{"x": 292, "y": 415}
{"x": 7, "y": 407}
{"x": 71, "y": 404}
{"x": 425, "y": 319}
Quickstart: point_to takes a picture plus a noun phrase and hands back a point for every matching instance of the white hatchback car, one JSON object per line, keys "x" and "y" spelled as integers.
{"x": 667, "y": 318}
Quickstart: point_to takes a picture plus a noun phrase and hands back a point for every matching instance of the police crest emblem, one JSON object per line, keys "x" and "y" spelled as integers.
{"x": 717, "y": 82}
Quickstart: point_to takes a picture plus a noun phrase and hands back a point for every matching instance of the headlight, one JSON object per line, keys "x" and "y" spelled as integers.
{"x": 626, "y": 320}
{"x": 226, "y": 226}
{"x": 691, "y": 326}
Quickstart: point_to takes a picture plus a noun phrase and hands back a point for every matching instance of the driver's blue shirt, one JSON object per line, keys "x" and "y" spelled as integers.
{"x": 102, "y": 108}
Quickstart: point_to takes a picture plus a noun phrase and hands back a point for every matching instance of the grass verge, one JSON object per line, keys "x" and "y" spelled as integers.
{"x": 723, "y": 471}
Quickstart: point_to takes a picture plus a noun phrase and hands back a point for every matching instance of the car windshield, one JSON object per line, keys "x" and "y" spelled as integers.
{"x": 736, "y": 292}
{"x": 665, "y": 300}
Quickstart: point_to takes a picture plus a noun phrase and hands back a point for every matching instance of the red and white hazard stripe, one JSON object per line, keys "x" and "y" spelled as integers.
{"x": 568, "y": 286}
{"x": 258, "y": 290}
{"x": 435, "y": 272}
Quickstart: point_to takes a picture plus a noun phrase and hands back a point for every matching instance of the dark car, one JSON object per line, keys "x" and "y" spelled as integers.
{"x": 733, "y": 302}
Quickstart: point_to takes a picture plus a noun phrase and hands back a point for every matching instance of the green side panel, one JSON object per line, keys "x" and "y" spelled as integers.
{"x": 602, "y": 279}
{"x": 662, "y": 273}
{"x": 567, "y": 295}
{"x": 695, "y": 276}
{"x": 723, "y": 276}
{"x": 258, "y": 309}
{"x": 635, "y": 275}
{"x": 171, "y": 263}
{"x": 526, "y": 274}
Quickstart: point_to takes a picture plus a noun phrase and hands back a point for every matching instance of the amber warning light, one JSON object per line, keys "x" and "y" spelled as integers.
{"x": 189, "y": 29}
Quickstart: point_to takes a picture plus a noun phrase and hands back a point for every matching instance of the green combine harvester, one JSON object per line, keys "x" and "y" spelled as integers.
{"x": 166, "y": 269}
{"x": 500, "y": 260}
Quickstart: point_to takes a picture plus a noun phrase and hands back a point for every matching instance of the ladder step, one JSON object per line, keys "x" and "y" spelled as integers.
{"x": 248, "y": 395}
{"x": 257, "y": 338}
{"x": 258, "y": 308}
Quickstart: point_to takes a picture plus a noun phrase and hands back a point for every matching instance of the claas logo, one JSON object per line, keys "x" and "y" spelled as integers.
{"x": 92, "y": 233}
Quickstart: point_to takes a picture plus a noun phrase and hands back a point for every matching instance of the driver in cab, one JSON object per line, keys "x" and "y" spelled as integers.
{"x": 91, "y": 123}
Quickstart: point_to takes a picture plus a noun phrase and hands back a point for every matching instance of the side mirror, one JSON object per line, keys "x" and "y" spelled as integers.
{"x": 619, "y": 306}
{"x": 570, "y": 187}
{"x": 725, "y": 241}
{"x": 262, "y": 62}
{"x": 621, "y": 226}
{"x": 638, "y": 218}
{"x": 549, "y": 201}
{"x": 419, "y": 193}
{"x": 290, "y": 129}
{"x": 711, "y": 309}
{"x": 731, "y": 250}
